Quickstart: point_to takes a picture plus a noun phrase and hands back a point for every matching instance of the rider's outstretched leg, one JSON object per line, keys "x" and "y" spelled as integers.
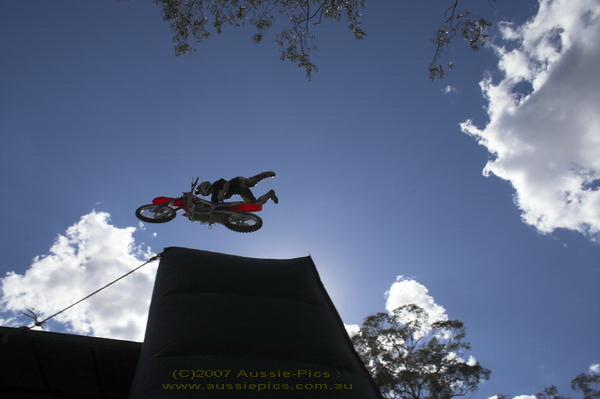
{"x": 268, "y": 196}
{"x": 252, "y": 181}
{"x": 247, "y": 195}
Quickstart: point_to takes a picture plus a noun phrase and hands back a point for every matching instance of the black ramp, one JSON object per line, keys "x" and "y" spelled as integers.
{"x": 224, "y": 326}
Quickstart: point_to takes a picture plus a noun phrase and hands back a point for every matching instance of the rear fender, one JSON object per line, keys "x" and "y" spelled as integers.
{"x": 245, "y": 208}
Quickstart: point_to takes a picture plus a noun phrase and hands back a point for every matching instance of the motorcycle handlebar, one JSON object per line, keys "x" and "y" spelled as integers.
{"x": 194, "y": 183}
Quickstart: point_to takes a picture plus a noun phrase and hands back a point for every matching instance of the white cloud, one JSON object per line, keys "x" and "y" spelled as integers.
{"x": 449, "y": 89}
{"x": 352, "y": 329}
{"x": 91, "y": 254}
{"x": 406, "y": 291}
{"x": 544, "y": 124}
{"x": 594, "y": 369}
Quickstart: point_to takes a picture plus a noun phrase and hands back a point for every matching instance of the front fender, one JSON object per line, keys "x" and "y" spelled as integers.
{"x": 164, "y": 200}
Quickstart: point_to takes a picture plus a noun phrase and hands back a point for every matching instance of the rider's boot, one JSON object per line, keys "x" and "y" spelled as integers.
{"x": 268, "y": 196}
{"x": 273, "y": 196}
{"x": 264, "y": 175}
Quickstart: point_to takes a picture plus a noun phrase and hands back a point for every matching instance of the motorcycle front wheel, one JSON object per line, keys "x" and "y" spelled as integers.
{"x": 242, "y": 222}
{"x": 155, "y": 213}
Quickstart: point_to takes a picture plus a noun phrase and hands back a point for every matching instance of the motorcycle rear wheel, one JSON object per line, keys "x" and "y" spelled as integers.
{"x": 155, "y": 213}
{"x": 242, "y": 222}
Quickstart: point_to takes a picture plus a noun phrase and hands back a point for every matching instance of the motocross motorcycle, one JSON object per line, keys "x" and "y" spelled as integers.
{"x": 236, "y": 216}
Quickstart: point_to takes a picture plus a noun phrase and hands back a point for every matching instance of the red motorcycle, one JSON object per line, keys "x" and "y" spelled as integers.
{"x": 236, "y": 216}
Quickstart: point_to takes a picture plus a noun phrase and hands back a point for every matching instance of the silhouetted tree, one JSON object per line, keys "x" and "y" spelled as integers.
{"x": 550, "y": 392}
{"x": 411, "y": 358}
{"x": 196, "y": 20}
{"x": 465, "y": 24}
{"x": 586, "y": 383}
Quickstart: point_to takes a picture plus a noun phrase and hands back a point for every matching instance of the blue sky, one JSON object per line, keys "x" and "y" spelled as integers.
{"x": 379, "y": 172}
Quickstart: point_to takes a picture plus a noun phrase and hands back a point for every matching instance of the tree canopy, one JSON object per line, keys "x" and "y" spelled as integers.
{"x": 587, "y": 384}
{"x": 411, "y": 358}
{"x": 193, "y": 21}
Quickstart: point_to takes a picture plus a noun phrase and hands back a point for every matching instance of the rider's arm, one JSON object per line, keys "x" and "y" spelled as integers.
{"x": 223, "y": 191}
{"x": 216, "y": 189}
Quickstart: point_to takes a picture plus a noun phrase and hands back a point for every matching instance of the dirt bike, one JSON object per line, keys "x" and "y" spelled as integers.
{"x": 235, "y": 216}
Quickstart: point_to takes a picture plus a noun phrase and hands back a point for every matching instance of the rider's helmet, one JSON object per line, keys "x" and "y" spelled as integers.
{"x": 204, "y": 188}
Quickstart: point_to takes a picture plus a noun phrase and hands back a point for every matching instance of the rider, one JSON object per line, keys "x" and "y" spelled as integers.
{"x": 223, "y": 189}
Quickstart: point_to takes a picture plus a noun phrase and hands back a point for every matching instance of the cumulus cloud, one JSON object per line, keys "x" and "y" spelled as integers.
{"x": 405, "y": 291}
{"x": 594, "y": 369}
{"x": 89, "y": 255}
{"x": 449, "y": 89}
{"x": 544, "y": 124}
{"x": 352, "y": 329}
